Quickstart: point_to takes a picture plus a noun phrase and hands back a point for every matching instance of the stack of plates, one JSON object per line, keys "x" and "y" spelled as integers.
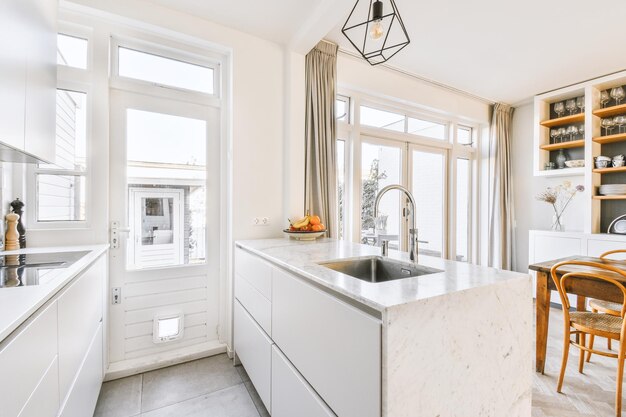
{"x": 613, "y": 189}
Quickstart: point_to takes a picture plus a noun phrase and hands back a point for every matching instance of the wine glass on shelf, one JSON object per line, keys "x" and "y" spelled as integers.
{"x": 581, "y": 131}
{"x": 570, "y": 106}
{"x": 559, "y": 108}
{"x": 618, "y": 94}
{"x": 553, "y": 135}
{"x": 608, "y": 125}
{"x": 619, "y": 121}
{"x": 580, "y": 103}
{"x": 562, "y": 133}
{"x": 571, "y": 131}
{"x": 604, "y": 98}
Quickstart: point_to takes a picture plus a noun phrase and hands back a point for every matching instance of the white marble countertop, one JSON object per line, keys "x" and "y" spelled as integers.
{"x": 19, "y": 303}
{"x": 303, "y": 258}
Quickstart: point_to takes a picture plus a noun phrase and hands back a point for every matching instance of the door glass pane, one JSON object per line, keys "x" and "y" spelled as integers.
{"x": 426, "y": 128}
{"x": 429, "y": 189}
{"x": 341, "y": 185}
{"x": 166, "y": 171}
{"x": 462, "y": 209}
{"x": 380, "y": 118}
{"x": 380, "y": 166}
{"x": 164, "y": 71}
{"x": 157, "y": 220}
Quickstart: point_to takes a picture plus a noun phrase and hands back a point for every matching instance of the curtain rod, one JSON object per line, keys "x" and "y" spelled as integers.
{"x": 423, "y": 79}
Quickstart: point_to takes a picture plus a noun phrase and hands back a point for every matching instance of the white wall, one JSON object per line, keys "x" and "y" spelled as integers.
{"x": 532, "y": 214}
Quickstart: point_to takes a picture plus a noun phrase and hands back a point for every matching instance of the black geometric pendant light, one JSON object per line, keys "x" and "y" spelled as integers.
{"x": 376, "y": 30}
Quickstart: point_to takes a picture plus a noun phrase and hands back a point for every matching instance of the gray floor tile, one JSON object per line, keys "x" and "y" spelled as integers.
{"x": 258, "y": 402}
{"x": 120, "y": 398}
{"x": 243, "y": 373}
{"x": 174, "y": 384}
{"x": 229, "y": 402}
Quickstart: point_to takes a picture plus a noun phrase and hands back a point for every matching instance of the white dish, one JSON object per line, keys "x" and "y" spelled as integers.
{"x": 304, "y": 235}
{"x": 575, "y": 163}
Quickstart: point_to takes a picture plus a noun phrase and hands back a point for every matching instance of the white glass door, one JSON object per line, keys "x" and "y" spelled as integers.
{"x": 164, "y": 187}
{"x": 428, "y": 183}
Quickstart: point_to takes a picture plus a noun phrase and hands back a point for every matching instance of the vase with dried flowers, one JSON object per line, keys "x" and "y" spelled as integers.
{"x": 559, "y": 198}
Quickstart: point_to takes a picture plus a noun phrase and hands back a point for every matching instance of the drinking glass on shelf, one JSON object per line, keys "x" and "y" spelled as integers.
{"x": 618, "y": 94}
{"x": 562, "y": 133}
{"x": 570, "y": 106}
{"x": 604, "y": 98}
{"x": 619, "y": 121}
{"x": 553, "y": 135}
{"x": 559, "y": 108}
{"x": 571, "y": 131}
{"x": 608, "y": 125}
{"x": 581, "y": 131}
{"x": 580, "y": 103}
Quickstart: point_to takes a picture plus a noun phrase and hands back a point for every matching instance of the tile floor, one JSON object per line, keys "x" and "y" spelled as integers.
{"x": 212, "y": 387}
{"x": 209, "y": 387}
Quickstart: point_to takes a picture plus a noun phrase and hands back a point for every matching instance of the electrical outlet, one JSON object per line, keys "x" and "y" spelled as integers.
{"x": 256, "y": 221}
{"x": 116, "y": 295}
{"x": 265, "y": 221}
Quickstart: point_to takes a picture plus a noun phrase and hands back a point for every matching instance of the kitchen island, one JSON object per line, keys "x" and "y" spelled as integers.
{"x": 456, "y": 341}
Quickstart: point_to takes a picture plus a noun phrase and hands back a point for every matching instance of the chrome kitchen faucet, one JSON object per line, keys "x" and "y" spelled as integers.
{"x": 412, "y": 211}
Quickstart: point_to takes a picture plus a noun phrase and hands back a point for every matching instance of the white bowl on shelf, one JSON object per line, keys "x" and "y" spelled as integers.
{"x": 575, "y": 163}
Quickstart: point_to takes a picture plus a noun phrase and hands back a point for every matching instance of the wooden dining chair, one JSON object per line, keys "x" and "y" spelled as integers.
{"x": 589, "y": 323}
{"x": 606, "y": 307}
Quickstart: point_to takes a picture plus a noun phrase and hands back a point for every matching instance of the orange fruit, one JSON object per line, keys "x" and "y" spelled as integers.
{"x": 315, "y": 220}
{"x": 322, "y": 226}
{"x": 317, "y": 228}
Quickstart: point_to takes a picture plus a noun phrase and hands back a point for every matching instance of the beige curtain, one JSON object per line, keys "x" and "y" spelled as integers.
{"x": 320, "y": 192}
{"x": 501, "y": 213}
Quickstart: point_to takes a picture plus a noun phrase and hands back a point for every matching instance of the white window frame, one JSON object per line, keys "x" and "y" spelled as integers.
{"x": 146, "y": 87}
{"x": 353, "y": 133}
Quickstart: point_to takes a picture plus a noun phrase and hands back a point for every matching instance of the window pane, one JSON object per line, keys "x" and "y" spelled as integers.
{"x": 164, "y": 71}
{"x": 166, "y": 171}
{"x": 462, "y": 209}
{"x": 428, "y": 188}
{"x": 425, "y": 128}
{"x": 71, "y": 132}
{"x": 341, "y": 109}
{"x": 72, "y": 51}
{"x": 380, "y": 166}
{"x": 60, "y": 198}
{"x": 341, "y": 185}
{"x": 464, "y": 135}
{"x": 381, "y": 118}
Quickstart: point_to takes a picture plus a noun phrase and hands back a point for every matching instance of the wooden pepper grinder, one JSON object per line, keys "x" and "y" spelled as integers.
{"x": 12, "y": 236}
{"x": 18, "y": 208}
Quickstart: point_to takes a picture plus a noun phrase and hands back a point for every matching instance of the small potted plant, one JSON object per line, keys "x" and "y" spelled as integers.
{"x": 559, "y": 198}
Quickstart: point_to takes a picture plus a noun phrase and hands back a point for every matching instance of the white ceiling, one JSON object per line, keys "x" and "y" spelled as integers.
{"x": 500, "y": 50}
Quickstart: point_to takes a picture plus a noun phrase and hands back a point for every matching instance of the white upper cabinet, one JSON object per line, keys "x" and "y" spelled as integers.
{"x": 28, "y": 77}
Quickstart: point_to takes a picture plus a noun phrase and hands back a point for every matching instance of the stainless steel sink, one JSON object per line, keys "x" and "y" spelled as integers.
{"x": 378, "y": 268}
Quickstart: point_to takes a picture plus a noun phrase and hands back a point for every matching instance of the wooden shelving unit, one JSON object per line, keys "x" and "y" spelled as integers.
{"x": 609, "y": 170}
{"x": 619, "y": 137}
{"x": 610, "y": 111}
{"x": 609, "y": 197}
{"x": 565, "y": 120}
{"x": 564, "y": 145}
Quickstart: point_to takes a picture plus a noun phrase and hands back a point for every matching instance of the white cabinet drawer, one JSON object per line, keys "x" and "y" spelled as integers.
{"x": 80, "y": 312}
{"x": 336, "y": 347}
{"x": 255, "y": 270}
{"x": 291, "y": 394}
{"x": 254, "y": 349}
{"x": 25, "y": 358}
{"x": 44, "y": 402}
{"x": 84, "y": 393}
{"x": 255, "y": 303}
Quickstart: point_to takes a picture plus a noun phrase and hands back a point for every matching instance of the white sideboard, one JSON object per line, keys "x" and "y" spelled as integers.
{"x": 545, "y": 245}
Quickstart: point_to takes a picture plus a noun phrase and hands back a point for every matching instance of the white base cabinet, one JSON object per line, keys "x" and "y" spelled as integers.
{"x": 52, "y": 365}
{"x": 291, "y": 394}
{"x": 311, "y": 355}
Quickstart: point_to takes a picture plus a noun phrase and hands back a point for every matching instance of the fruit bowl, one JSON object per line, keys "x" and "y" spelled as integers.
{"x": 303, "y": 235}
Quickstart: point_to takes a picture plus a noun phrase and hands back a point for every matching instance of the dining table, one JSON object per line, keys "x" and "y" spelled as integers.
{"x": 582, "y": 288}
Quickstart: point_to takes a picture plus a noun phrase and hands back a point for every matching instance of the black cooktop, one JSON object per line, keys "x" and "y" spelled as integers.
{"x": 35, "y": 268}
